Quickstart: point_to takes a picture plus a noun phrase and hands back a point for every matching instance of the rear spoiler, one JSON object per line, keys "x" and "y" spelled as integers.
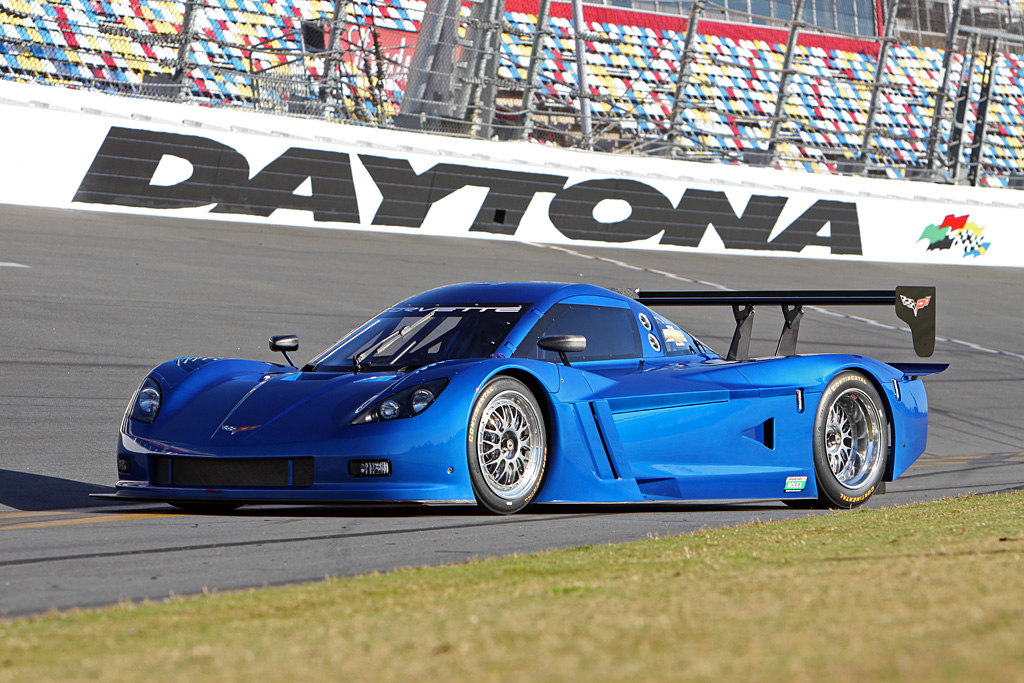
{"x": 914, "y": 306}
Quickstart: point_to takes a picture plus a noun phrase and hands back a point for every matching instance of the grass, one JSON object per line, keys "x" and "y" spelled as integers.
{"x": 924, "y": 592}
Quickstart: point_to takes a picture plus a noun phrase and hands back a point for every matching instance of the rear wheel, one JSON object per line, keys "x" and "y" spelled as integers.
{"x": 851, "y": 441}
{"x": 506, "y": 446}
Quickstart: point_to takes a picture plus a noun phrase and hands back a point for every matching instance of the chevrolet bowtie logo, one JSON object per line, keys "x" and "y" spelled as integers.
{"x": 238, "y": 430}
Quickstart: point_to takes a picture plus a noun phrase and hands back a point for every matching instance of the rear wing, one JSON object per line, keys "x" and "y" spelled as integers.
{"x": 914, "y": 306}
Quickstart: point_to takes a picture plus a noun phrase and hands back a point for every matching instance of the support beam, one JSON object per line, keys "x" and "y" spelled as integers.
{"x": 579, "y": 29}
{"x": 963, "y": 102}
{"x": 739, "y": 349}
{"x": 184, "y": 58}
{"x": 428, "y": 99}
{"x": 540, "y": 37}
{"x": 475, "y": 91}
{"x": 683, "y": 75}
{"x": 333, "y": 103}
{"x": 790, "y": 329}
{"x": 787, "y": 69}
{"x": 980, "y": 126}
{"x": 876, "y": 86}
{"x": 939, "y": 113}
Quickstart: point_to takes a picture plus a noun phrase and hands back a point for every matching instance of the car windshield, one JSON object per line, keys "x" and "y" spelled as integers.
{"x": 406, "y": 338}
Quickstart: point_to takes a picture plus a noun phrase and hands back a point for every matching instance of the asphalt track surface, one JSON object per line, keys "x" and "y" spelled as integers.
{"x": 89, "y": 302}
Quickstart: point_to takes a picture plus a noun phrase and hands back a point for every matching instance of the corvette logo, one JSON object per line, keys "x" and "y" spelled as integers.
{"x": 915, "y": 306}
{"x": 238, "y": 430}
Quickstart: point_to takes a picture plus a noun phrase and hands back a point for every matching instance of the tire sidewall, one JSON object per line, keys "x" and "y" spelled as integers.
{"x": 483, "y": 493}
{"x": 830, "y": 492}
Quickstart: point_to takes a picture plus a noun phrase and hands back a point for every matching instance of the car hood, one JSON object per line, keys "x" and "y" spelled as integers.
{"x": 267, "y": 406}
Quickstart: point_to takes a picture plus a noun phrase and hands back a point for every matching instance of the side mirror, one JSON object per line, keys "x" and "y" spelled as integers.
{"x": 284, "y": 343}
{"x": 563, "y": 344}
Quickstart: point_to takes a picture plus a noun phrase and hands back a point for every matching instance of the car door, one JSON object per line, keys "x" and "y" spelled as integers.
{"x": 671, "y": 415}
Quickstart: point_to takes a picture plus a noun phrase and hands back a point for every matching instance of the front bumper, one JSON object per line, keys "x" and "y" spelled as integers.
{"x": 428, "y": 470}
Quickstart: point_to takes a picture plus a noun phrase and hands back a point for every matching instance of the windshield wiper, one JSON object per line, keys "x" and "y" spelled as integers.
{"x": 357, "y": 360}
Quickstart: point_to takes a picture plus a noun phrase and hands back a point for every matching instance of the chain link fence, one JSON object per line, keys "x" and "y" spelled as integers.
{"x": 778, "y": 94}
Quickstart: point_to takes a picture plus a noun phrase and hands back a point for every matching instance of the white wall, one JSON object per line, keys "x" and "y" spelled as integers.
{"x": 73, "y": 149}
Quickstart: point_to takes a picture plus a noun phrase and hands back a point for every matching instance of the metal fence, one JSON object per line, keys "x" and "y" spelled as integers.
{"x": 689, "y": 88}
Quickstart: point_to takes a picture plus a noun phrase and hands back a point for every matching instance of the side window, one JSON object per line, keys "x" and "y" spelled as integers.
{"x": 676, "y": 342}
{"x": 610, "y": 332}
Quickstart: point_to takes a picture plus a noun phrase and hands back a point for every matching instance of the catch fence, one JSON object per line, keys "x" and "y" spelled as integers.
{"x": 750, "y": 90}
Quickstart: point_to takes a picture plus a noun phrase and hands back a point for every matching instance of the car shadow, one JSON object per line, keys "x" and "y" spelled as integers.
{"x": 32, "y": 492}
{"x": 391, "y": 510}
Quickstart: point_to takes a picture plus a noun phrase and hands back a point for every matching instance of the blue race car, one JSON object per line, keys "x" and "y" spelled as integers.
{"x": 503, "y": 394}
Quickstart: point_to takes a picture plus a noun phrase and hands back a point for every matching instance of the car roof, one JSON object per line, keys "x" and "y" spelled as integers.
{"x": 541, "y": 294}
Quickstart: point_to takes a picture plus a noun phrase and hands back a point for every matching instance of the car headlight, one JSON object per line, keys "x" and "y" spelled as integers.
{"x": 147, "y": 401}
{"x": 405, "y": 403}
{"x": 421, "y": 398}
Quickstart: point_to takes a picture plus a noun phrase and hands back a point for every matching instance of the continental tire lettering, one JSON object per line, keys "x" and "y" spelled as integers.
{"x": 533, "y": 491}
{"x": 474, "y": 418}
{"x": 858, "y": 499}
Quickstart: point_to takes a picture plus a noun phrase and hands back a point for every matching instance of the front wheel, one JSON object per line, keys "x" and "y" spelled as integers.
{"x": 506, "y": 446}
{"x": 851, "y": 441}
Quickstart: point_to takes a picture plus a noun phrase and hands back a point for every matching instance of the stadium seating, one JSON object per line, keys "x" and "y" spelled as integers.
{"x": 632, "y": 58}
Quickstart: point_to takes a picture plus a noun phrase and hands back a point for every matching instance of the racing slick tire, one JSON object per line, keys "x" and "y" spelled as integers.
{"x": 851, "y": 442}
{"x": 506, "y": 446}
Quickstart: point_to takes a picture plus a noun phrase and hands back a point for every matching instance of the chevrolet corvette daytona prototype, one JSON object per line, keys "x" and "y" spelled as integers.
{"x": 503, "y": 394}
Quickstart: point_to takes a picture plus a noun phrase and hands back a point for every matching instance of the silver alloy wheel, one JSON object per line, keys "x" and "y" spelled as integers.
{"x": 510, "y": 449}
{"x": 853, "y": 438}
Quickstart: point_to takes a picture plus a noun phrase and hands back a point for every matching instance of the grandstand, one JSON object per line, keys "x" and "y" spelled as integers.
{"x": 928, "y": 91}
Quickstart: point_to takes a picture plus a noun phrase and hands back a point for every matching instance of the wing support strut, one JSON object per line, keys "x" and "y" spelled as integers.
{"x": 790, "y": 329}
{"x": 740, "y": 347}
{"x": 914, "y": 306}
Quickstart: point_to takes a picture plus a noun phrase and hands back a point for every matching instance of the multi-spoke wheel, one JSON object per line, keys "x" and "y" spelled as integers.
{"x": 851, "y": 441}
{"x": 507, "y": 446}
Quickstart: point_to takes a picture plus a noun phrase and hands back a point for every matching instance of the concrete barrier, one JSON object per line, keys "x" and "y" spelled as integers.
{"x": 74, "y": 149}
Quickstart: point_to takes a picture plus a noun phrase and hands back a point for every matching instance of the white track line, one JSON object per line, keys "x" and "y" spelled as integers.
{"x": 13, "y": 265}
{"x": 817, "y": 309}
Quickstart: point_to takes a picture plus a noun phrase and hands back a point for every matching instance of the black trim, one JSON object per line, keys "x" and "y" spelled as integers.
{"x": 232, "y": 472}
{"x": 158, "y": 498}
{"x": 919, "y": 316}
{"x": 810, "y": 297}
{"x": 914, "y": 371}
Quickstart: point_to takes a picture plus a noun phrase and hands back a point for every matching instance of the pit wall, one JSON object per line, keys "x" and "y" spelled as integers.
{"x": 83, "y": 150}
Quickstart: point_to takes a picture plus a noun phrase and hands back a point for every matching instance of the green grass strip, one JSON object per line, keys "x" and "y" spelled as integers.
{"x": 924, "y": 592}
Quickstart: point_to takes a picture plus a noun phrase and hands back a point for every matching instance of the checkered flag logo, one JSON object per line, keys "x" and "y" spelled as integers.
{"x": 968, "y": 241}
{"x": 958, "y": 233}
{"x": 915, "y": 305}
